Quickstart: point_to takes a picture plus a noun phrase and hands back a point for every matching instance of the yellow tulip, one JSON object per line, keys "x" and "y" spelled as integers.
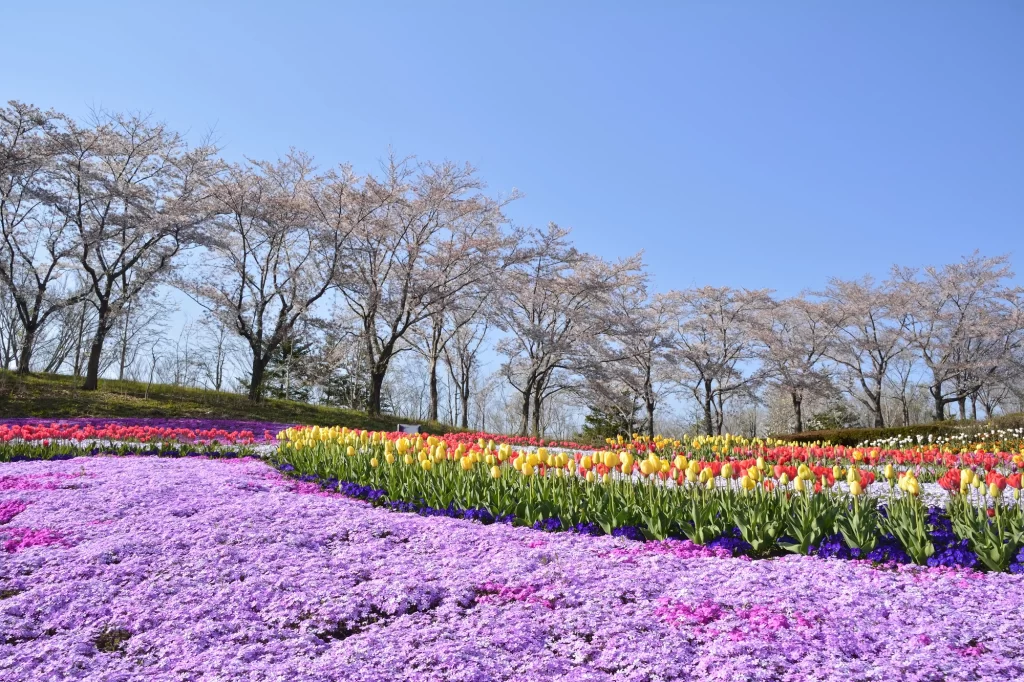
{"x": 426, "y": 464}
{"x": 351, "y": 451}
{"x": 590, "y": 477}
{"x": 495, "y": 472}
{"x": 527, "y": 469}
{"x": 855, "y": 488}
{"x": 374, "y": 462}
{"x": 466, "y": 463}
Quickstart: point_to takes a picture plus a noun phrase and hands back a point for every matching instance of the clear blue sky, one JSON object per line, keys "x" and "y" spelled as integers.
{"x": 748, "y": 144}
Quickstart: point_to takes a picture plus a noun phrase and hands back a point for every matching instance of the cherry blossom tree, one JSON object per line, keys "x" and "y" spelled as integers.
{"x": 432, "y": 235}
{"x": 964, "y": 322}
{"x": 37, "y": 244}
{"x": 134, "y": 193}
{"x": 273, "y": 250}
{"x": 717, "y": 348}
{"x": 554, "y": 299}
{"x": 795, "y": 336}
{"x": 871, "y": 332}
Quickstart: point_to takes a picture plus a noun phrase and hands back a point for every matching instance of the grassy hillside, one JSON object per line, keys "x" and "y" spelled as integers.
{"x": 52, "y": 395}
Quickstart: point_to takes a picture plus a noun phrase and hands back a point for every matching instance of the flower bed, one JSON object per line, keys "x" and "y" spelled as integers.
{"x": 180, "y": 568}
{"x": 35, "y": 439}
{"x": 140, "y": 430}
{"x": 796, "y": 505}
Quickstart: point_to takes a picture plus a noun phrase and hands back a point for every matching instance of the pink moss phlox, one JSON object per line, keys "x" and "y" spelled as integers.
{"x": 11, "y": 508}
{"x": 496, "y": 593}
{"x": 47, "y": 481}
{"x": 19, "y": 539}
{"x": 216, "y": 569}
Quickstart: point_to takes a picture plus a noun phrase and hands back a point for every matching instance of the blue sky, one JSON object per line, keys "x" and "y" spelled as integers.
{"x": 744, "y": 144}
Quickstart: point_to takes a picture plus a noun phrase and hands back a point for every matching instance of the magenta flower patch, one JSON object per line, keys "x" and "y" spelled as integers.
{"x": 11, "y": 508}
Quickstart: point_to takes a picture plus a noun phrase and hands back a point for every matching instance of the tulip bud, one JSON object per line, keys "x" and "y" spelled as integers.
{"x": 784, "y": 479}
{"x": 351, "y": 451}
{"x": 427, "y": 465}
{"x": 495, "y": 472}
{"x": 467, "y": 463}
{"x": 994, "y": 490}
{"x": 855, "y": 488}
{"x": 590, "y": 477}
{"x": 890, "y": 473}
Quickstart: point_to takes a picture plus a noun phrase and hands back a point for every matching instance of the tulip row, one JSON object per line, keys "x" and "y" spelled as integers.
{"x": 72, "y": 432}
{"x": 766, "y": 509}
{"x": 929, "y": 462}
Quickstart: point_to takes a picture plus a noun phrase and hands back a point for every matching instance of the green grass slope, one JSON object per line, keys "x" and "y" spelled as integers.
{"x": 50, "y": 396}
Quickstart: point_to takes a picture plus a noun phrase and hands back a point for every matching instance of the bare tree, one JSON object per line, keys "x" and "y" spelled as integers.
{"x": 717, "y": 346}
{"x": 273, "y": 250}
{"x": 427, "y": 240}
{"x": 134, "y": 192}
{"x": 795, "y": 335}
{"x": 216, "y": 350}
{"x": 899, "y": 380}
{"x": 140, "y": 325}
{"x": 462, "y": 355}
